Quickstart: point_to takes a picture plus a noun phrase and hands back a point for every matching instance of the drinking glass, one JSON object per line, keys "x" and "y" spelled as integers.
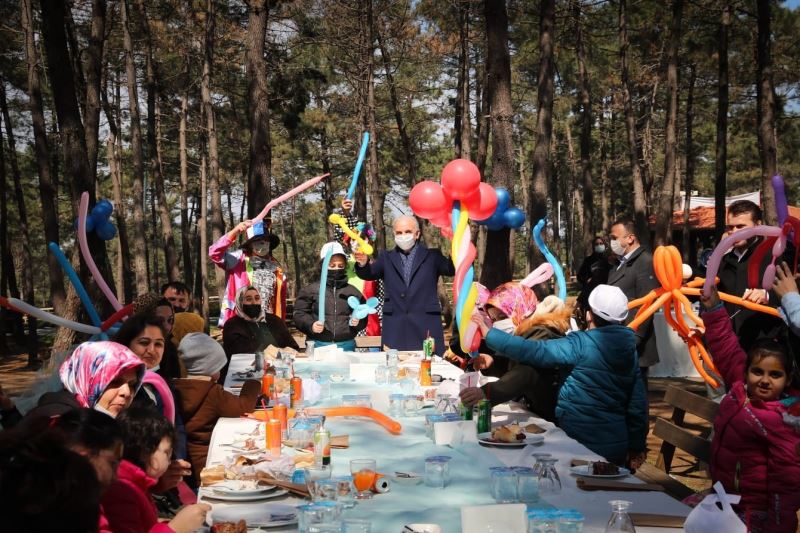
{"x": 450, "y": 406}
{"x": 391, "y": 358}
{"x": 396, "y": 405}
{"x": 570, "y": 521}
{"x": 313, "y": 475}
{"x": 412, "y": 403}
{"x": 437, "y": 471}
{"x": 430, "y": 420}
{"x": 363, "y": 471}
{"x": 527, "y": 484}
{"x": 504, "y": 484}
{"x": 355, "y": 525}
{"x": 537, "y": 465}
{"x": 381, "y": 375}
{"x": 310, "y": 351}
{"x": 620, "y": 521}
{"x": 363, "y": 400}
{"x": 549, "y": 482}
{"x": 441, "y": 402}
{"x": 345, "y": 492}
{"x": 326, "y": 489}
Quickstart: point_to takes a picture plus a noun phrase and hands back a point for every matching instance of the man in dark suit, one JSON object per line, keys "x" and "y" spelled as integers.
{"x": 410, "y": 275}
{"x": 634, "y": 274}
{"x": 748, "y": 325}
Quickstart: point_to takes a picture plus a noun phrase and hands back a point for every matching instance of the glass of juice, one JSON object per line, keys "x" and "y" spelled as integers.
{"x": 363, "y": 471}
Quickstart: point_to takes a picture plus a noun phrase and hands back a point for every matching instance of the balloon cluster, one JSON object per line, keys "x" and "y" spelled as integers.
{"x": 504, "y": 216}
{"x": 99, "y": 220}
{"x": 449, "y": 206}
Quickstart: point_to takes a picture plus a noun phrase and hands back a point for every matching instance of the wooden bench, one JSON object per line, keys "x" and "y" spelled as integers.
{"x": 675, "y": 435}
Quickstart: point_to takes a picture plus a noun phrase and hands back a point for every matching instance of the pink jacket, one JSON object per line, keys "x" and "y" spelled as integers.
{"x": 237, "y": 273}
{"x": 128, "y": 506}
{"x": 753, "y": 453}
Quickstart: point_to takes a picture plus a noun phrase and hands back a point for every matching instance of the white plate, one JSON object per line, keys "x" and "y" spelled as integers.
{"x": 530, "y": 438}
{"x": 234, "y": 497}
{"x": 239, "y": 488}
{"x": 254, "y": 515}
{"x": 583, "y": 471}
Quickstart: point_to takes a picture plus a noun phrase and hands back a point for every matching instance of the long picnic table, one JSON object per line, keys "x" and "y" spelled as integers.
{"x": 469, "y": 467}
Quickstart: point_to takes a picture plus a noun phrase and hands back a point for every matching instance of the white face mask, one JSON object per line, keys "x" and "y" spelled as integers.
{"x": 617, "y": 247}
{"x": 600, "y": 248}
{"x": 506, "y": 325}
{"x": 405, "y": 241}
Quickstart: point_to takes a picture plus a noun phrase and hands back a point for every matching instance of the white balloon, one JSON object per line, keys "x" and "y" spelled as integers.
{"x": 53, "y": 319}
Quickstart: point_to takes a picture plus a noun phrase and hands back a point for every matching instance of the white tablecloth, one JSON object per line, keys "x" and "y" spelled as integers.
{"x": 470, "y": 473}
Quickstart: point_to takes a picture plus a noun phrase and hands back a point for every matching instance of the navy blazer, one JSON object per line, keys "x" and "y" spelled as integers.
{"x": 411, "y": 311}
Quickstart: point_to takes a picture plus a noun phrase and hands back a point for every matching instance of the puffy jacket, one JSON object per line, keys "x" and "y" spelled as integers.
{"x": 753, "y": 453}
{"x": 127, "y": 504}
{"x": 201, "y": 403}
{"x": 601, "y": 403}
{"x": 337, "y": 311}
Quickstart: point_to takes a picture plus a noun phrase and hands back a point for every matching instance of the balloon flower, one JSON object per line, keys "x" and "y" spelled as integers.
{"x": 370, "y": 307}
{"x": 672, "y": 297}
{"x": 449, "y": 206}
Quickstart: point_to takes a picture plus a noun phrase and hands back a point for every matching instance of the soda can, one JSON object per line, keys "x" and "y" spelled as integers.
{"x": 428, "y": 347}
{"x": 466, "y": 412}
{"x": 296, "y": 388}
{"x": 274, "y": 437}
{"x": 268, "y": 385}
{"x": 322, "y": 447}
{"x": 484, "y": 416}
{"x": 281, "y": 413}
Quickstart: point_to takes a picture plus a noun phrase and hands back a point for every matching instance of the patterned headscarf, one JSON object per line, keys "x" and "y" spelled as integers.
{"x": 93, "y": 366}
{"x": 515, "y": 300}
{"x": 240, "y": 305}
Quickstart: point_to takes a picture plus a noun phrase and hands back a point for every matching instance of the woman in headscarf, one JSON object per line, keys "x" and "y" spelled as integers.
{"x": 252, "y": 265}
{"x": 514, "y": 308}
{"x": 104, "y": 376}
{"x": 251, "y": 330}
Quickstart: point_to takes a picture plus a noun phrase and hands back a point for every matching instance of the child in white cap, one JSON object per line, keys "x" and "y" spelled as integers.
{"x": 339, "y": 326}
{"x": 602, "y": 402}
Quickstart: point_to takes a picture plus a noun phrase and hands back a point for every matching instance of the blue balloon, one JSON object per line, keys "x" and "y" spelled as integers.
{"x": 496, "y": 222}
{"x": 514, "y": 217}
{"x": 89, "y": 224}
{"x": 503, "y": 199}
{"x": 106, "y": 230}
{"x": 102, "y": 210}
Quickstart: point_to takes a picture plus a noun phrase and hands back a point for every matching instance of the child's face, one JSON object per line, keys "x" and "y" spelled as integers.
{"x": 161, "y": 458}
{"x": 766, "y": 378}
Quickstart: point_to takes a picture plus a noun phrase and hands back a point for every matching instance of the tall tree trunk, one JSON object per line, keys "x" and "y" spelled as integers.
{"x": 587, "y": 233}
{"x": 405, "y": 141}
{"x": 217, "y": 223}
{"x": 721, "y": 159}
{"x": 153, "y": 87}
{"x": 114, "y": 154}
{"x": 259, "y": 175}
{"x": 186, "y": 248}
{"x": 374, "y": 185}
{"x": 537, "y": 206}
{"x": 94, "y": 70}
{"x": 605, "y": 185}
{"x": 463, "y": 129}
{"x": 202, "y": 256}
{"x": 497, "y": 267}
{"x": 8, "y": 279}
{"x": 639, "y": 195}
{"x": 74, "y": 56}
{"x": 73, "y": 141}
{"x": 666, "y": 198}
{"x": 482, "y": 124}
{"x": 140, "y": 265}
{"x": 25, "y": 259}
{"x": 48, "y": 192}
{"x": 765, "y": 93}
{"x": 688, "y": 250}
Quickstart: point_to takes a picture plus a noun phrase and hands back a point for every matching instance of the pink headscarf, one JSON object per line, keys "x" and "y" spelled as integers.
{"x": 93, "y": 366}
{"x": 515, "y": 300}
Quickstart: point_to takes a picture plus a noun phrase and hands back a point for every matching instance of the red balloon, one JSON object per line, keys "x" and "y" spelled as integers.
{"x": 440, "y": 220}
{"x": 427, "y": 199}
{"x": 482, "y": 203}
{"x": 460, "y": 178}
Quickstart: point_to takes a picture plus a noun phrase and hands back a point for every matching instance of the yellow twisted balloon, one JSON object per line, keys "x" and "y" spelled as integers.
{"x": 363, "y": 245}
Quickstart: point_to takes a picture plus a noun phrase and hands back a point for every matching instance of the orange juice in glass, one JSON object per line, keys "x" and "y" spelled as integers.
{"x": 363, "y": 471}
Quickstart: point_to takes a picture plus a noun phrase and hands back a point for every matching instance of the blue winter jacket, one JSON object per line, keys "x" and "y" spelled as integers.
{"x": 602, "y": 402}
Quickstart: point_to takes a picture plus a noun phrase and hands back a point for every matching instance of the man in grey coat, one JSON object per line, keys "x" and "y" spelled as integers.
{"x": 634, "y": 274}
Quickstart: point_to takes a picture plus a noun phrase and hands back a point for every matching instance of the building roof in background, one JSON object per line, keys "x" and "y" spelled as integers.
{"x": 703, "y": 217}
